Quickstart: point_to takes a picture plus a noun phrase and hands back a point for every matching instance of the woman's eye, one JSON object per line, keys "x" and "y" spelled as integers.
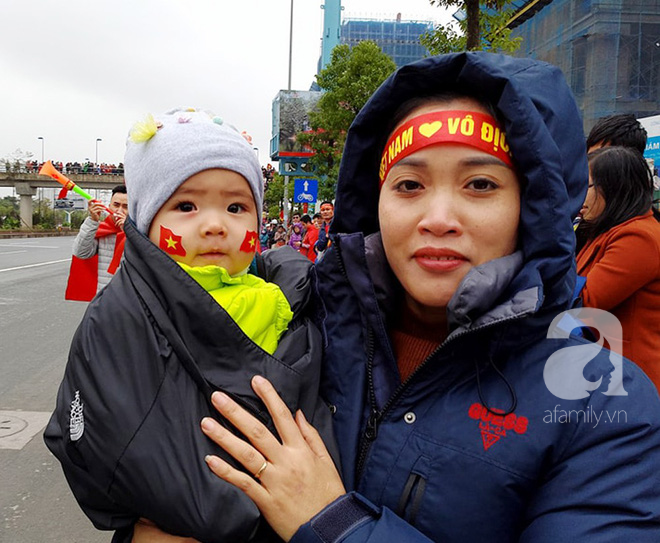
{"x": 235, "y": 208}
{"x": 186, "y": 207}
{"x": 408, "y": 186}
{"x": 482, "y": 185}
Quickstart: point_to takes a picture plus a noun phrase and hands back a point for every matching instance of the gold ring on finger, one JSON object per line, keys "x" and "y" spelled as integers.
{"x": 263, "y": 467}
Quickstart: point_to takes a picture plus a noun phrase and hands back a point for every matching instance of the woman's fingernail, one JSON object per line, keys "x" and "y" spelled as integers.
{"x": 207, "y": 424}
{"x": 210, "y": 460}
{"x": 218, "y": 398}
{"x": 258, "y": 380}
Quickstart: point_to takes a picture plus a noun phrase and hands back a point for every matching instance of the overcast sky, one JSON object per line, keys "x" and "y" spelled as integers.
{"x": 72, "y": 71}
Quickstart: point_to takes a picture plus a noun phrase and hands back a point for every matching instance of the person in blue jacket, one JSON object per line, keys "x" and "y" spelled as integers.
{"x": 464, "y": 407}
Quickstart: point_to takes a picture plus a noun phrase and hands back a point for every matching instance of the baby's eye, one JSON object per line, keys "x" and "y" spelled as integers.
{"x": 186, "y": 207}
{"x": 235, "y": 208}
{"x": 482, "y": 185}
{"x": 408, "y": 186}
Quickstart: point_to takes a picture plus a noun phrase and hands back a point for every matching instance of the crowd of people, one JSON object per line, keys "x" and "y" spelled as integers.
{"x": 304, "y": 233}
{"x": 618, "y": 239}
{"x": 404, "y": 365}
{"x": 33, "y": 166}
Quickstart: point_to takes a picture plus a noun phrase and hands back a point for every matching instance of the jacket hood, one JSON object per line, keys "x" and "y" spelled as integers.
{"x": 546, "y": 138}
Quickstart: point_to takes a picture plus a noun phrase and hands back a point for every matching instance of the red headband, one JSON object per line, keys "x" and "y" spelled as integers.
{"x": 477, "y": 130}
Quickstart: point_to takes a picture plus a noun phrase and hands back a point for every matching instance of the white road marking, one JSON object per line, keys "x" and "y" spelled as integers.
{"x": 12, "y": 252}
{"x": 28, "y": 246}
{"x": 35, "y": 265}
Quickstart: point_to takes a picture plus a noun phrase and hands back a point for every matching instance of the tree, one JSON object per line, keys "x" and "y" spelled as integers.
{"x": 274, "y": 196}
{"x": 480, "y": 29}
{"x": 9, "y": 215}
{"x": 348, "y": 80}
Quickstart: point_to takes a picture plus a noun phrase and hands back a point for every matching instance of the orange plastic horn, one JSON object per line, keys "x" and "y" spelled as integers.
{"x": 49, "y": 170}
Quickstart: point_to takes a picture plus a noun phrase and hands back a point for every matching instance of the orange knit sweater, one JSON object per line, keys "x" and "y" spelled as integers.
{"x": 413, "y": 342}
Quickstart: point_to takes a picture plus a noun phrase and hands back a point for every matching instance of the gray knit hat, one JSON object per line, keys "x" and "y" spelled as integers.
{"x": 162, "y": 153}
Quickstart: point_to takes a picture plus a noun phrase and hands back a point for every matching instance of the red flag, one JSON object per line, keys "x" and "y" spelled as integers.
{"x": 170, "y": 242}
{"x": 250, "y": 242}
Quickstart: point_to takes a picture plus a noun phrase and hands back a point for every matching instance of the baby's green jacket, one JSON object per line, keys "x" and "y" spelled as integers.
{"x": 259, "y": 308}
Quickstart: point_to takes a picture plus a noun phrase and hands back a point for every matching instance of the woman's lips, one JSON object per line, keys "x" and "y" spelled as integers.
{"x": 439, "y": 260}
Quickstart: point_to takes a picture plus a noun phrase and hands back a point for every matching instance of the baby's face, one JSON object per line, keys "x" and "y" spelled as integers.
{"x": 210, "y": 219}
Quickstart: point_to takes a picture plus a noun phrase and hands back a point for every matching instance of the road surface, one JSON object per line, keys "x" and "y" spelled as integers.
{"x": 36, "y": 327}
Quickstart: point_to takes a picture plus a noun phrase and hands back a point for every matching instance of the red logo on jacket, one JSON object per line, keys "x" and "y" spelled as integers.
{"x": 494, "y": 426}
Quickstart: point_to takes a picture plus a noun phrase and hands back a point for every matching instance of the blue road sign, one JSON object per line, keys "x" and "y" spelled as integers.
{"x": 305, "y": 190}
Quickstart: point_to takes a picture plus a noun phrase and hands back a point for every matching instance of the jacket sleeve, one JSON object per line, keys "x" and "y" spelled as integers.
{"x": 322, "y": 242}
{"x": 630, "y": 261}
{"x": 605, "y": 485}
{"x": 86, "y": 245}
{"x": 353, "y": 519}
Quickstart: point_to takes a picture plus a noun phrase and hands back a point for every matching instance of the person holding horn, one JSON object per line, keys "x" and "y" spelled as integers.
{"x": 98, "y": 247}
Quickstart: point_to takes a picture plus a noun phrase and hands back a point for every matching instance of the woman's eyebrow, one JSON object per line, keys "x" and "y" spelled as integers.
{"x": 483, "y": 160}
{"x": 410, "y": 161}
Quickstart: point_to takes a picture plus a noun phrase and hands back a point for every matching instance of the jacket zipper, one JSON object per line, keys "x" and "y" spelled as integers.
{"x": 411, "y": 498}
{"x": 375, "y": 415}
{"x": 371, "y": 430}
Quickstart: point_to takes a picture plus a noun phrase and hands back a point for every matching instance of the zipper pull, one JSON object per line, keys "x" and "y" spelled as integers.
{"x": 372, "y": 425}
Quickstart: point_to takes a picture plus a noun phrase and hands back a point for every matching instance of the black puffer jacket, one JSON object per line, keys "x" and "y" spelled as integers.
{"x": 151, "y": 348}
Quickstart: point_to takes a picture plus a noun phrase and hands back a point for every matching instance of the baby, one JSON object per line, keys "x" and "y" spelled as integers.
{"x": 194, "y": 308}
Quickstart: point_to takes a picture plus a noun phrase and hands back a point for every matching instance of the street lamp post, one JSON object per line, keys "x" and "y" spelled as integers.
{"x": 42, "y": 148}
{"x": 290, "y": 44}
{"x": 286, "y": 177}
{"x": 41, "y": 190}
{"x": 97, "y": 151}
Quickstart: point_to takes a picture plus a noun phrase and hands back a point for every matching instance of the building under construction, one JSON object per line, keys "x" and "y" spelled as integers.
{"x": 399, "y": 39}
{"x": 609, "y": 50}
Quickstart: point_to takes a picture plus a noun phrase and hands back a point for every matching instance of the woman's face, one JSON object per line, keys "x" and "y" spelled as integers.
{"x": 594, "y": 203}
{"x": 444, "y": 210}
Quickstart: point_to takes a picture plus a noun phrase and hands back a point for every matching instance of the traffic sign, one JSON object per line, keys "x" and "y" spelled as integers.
{"x": 305, "y": 190}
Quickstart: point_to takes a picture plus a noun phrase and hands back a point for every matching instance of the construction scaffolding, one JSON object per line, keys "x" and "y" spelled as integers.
{"x": 398, "y": 39}
{"x": 609, "y": 51}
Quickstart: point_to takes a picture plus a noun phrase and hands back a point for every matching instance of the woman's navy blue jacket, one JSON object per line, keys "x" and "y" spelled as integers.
{"x": 430, "y": 459}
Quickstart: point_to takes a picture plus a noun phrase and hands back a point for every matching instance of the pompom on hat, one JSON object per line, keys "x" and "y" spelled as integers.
{"x": 163, "y": 152}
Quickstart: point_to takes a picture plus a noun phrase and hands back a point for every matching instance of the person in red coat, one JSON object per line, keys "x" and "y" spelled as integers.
{"x": 620, "y": 257}
{"x": 310, "y": 238}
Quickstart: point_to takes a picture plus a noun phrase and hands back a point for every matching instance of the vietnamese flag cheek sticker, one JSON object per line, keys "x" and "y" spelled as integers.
{"x": 170, "y": 242}
{"x": 250, "y": 242}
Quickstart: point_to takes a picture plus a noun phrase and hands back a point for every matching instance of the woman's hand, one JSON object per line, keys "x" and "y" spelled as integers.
{"x": 292, "y": 480}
